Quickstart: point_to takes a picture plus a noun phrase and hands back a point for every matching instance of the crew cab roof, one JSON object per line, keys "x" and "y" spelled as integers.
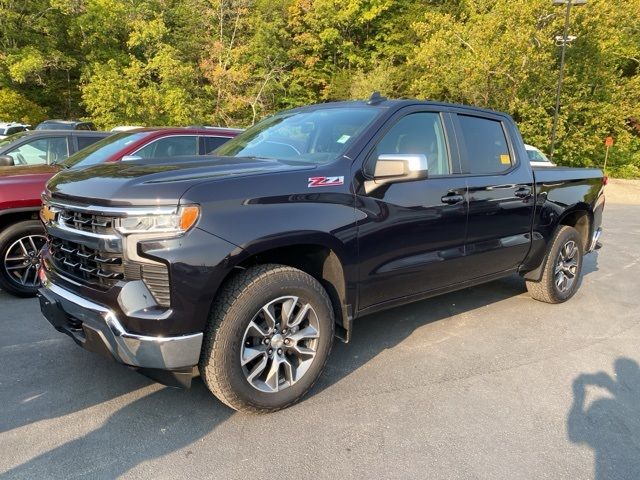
{"x": 396, "y": 104}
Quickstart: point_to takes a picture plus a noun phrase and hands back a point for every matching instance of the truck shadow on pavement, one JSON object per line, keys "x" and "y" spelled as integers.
{"x": 609, "y": 425}
{"x": 149, "y": 427}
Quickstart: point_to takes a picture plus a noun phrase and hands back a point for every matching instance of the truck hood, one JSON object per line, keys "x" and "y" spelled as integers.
{"x": 154, "y": 181}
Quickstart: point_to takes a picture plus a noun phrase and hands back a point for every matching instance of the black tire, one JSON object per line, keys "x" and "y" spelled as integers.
{"x": 547, "y": 290}
{"x": 9, "y": 282}
{"x": 237, "y": 304}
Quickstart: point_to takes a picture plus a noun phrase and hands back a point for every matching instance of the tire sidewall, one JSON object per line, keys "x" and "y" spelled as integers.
{"x": 564, "y": 235}
{"x": 7, "y": 238}
{"x": 229, "y": 337}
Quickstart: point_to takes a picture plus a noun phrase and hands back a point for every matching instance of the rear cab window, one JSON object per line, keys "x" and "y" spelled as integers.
{"x": 172, "y": 146}
{"x": 486, "y": 146}
{"x": 85, "y": 141}
{"x": 211, "y": 143}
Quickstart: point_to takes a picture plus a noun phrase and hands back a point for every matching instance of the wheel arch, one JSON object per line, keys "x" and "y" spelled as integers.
{"x": 578, "y": 216}
{"x": 321, "y": 257}
{"x": 10, "y": 217}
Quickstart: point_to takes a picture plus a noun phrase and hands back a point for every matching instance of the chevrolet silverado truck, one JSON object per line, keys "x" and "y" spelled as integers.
{"x": 41, "y": 154}
{"x": 244, "y": 265}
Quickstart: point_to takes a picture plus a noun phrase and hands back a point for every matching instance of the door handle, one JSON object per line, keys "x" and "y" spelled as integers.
{"x": 523, "y": 192}
{"x": 452, "y": 199}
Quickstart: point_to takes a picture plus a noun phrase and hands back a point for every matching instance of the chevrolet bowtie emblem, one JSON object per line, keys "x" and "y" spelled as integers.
{"x": 47, "y": 214}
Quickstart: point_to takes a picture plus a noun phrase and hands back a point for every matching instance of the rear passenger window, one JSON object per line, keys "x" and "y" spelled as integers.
{"x": 211, "y": 143}
{"x": 486, "y": 146}
{"x": 170, "y": 147}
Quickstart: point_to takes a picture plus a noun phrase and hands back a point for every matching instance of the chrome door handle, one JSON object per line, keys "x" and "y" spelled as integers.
{"x": 452, "y": 199}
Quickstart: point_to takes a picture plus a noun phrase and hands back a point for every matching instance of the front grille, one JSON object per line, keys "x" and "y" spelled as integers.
{"x": 83, "y": 263}
{"x": 87, "y": 222}
{"x": 98, "y": 268}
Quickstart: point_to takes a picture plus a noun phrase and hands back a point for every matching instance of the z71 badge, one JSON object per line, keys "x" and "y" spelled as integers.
{"x": 325, "y": 181}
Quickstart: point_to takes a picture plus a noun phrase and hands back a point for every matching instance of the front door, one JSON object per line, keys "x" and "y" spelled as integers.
{"x": 411, "y": 235}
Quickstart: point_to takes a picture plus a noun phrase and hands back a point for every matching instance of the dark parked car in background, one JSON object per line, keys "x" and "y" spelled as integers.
{"x": 38, "y": 154}
{"x": 65, "y": 125}
{"x": 244, "y": 265}
{"x": 44, "y": 147}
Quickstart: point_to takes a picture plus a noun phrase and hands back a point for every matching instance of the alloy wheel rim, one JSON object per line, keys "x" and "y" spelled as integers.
{"x": 280, "y": 344}
{"x": 22, "y": 260}
{"x": 566, "y": 269}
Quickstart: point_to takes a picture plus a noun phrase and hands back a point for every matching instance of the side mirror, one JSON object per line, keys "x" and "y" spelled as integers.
{"x": 130, "y": 158}
{"x": 396, "y": 168}
{"x": 6, "y": 161}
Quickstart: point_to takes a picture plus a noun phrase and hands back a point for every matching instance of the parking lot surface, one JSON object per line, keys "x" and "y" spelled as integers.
{"x": 482, "y": 383}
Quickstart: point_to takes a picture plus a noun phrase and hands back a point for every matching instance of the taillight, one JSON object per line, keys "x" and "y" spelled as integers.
{"x": 605, "y": 180}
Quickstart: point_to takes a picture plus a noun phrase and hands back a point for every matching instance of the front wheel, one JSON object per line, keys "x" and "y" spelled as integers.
{"x": 268, "y": 338}
{"x": 561, "y": 270}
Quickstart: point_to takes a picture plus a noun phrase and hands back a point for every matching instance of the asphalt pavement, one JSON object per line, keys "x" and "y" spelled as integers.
{"x": 482, "y": 383}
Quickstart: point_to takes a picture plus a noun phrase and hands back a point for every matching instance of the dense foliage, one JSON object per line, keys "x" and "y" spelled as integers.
{"x": 231, "y": 62}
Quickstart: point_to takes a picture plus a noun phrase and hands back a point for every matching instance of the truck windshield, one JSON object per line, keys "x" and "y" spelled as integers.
{"x": 317, "y": 136}
{"x": 103, "y": 149}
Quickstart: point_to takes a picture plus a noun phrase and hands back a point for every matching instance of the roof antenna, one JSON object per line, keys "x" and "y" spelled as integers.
{"x": 376, "y": 98}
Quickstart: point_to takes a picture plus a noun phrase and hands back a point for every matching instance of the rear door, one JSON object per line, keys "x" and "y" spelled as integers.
{"x": 411, "y": 239}
{"x": 500, "y": 194}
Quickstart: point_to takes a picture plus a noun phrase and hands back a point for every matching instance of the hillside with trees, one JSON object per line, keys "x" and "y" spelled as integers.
{"x": 232, "y": 62}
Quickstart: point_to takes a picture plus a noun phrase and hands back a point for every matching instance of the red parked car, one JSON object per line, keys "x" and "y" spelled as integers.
{"x": 21, "y": 233}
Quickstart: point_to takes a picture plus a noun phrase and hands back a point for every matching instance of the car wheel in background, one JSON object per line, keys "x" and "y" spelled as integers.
{"x": 20, "y": 246}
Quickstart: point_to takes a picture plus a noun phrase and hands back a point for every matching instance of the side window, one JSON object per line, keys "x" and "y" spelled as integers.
{"x": 12, "y": 130}
{"x": 84, "y": 142}
{"x": 41, "y": 151}
{"x": 211, "y": 143}
{"x": 418, "y": 133}
{"x": 486, "y": 145}
{"x": 170, "y": 147}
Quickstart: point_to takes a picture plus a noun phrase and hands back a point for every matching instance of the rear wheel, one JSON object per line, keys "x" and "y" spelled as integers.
{"x": 20, "y": 246}
{"x": 561, "y": 270}
{"x": 268, "y": 338}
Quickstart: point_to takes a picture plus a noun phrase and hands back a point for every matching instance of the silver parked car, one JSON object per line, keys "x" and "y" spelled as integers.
{"x": 537, "y": 158}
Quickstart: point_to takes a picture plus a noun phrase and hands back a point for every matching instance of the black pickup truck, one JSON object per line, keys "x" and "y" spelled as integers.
{"x": 244, "y": 266}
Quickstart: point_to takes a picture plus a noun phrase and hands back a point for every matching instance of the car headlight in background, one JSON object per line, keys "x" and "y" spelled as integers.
{"x": 173, "y": 223}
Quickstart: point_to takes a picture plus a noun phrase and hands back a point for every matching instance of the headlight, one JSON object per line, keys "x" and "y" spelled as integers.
{"x": 174, "y": 223}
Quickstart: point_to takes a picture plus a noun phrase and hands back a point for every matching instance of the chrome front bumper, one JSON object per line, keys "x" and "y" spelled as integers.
{"x": 97, "y": 328}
